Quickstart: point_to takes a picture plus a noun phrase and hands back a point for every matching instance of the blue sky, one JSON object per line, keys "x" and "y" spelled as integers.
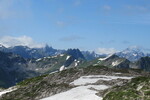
{"x": 104, "y": 25}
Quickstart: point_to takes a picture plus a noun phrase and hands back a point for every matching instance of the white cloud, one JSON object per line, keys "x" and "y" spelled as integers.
{"x": 106, "y": 50}
{"x": 9, "y": 41}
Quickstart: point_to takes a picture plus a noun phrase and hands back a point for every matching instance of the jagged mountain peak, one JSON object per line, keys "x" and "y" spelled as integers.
{"x": 76, "y": 53}
{"x": 91, "y": 55}
{"x": 47, "y": 47}
{"x": 46, "y": 51}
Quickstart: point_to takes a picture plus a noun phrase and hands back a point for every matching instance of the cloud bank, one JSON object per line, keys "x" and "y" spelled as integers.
{"x": 9, "y": 41}
{"x": 106, "y": 51}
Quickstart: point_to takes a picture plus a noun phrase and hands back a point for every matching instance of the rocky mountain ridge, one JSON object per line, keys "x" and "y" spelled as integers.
{"x": 17, "y": 68}
{"x": 114, "y": 61}
{"x": 46, "y": 51}
{"x": 14, "y": 65}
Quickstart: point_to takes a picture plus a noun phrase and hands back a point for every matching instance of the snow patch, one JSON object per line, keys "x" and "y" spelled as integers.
{"x": 39, "y": 59}
{"x": 76, "y": 64}
{"x": 62, "y": 68}
{"x": 7, "y": 90}
{"x": 134, "y": 54}
{"x": 95, "y": 64}
{"x": 61, "y": 55}
{"x": 115, "y": 63}
{"x": 49, "y": 57}
{"x": 79, "y": 93}
{"x": 94, "y": 78}
{"x": 53, "y": 56}
{"x": 139, "y": 88}
{"x": 67, "y": 57}
{"x": 32, "y": 51}
{"x": 117, "y": 73}
{"x": 102, "y": 59}
{"x": 82, "y": 92}
{"x": 53, "y": 72}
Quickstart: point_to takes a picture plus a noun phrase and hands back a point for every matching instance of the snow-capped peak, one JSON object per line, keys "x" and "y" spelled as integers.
{"x": 132, "y": 49}
{"x": 132, "y": 53}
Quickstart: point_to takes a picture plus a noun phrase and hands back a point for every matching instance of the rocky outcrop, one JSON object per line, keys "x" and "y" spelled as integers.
{"x": 137, "y": 89}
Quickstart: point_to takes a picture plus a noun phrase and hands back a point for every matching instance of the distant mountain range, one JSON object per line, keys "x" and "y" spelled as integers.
{"x": 14, "y": 68}
{"x": 21, "y": 62}
{"x": 132, "y": 53}
{"x": 46, "y": 51}
{"x": 114, "y": 61}
{"x": 27, "y": 52}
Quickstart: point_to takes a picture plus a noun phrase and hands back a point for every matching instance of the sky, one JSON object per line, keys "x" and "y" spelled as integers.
{"x": 104, "y": 26}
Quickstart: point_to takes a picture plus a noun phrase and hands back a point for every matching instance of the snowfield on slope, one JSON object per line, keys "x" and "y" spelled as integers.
{"x": 94, "y": 78}
{"x": 115, "y": 63}
{"x": 84, "y": 91}
{"x": 7, "y": 90}
{"x": 62, "y": 68}
{"x": 67, "y": 57}
{"x": 102, "y": 59}
{"x": 79, "y": 93}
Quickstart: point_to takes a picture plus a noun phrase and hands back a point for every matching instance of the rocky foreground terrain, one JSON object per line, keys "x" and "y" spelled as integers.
{"x": 91, "y": 83}
{"x": 137, "y": 89}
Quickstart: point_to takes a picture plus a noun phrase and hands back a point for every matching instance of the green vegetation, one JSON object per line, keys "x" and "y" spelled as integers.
{"x": 31, "y": 80}
{"x": 72, "y": 71}
{"x": 31, "y": 88}
{"x": 137, "y": 89}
